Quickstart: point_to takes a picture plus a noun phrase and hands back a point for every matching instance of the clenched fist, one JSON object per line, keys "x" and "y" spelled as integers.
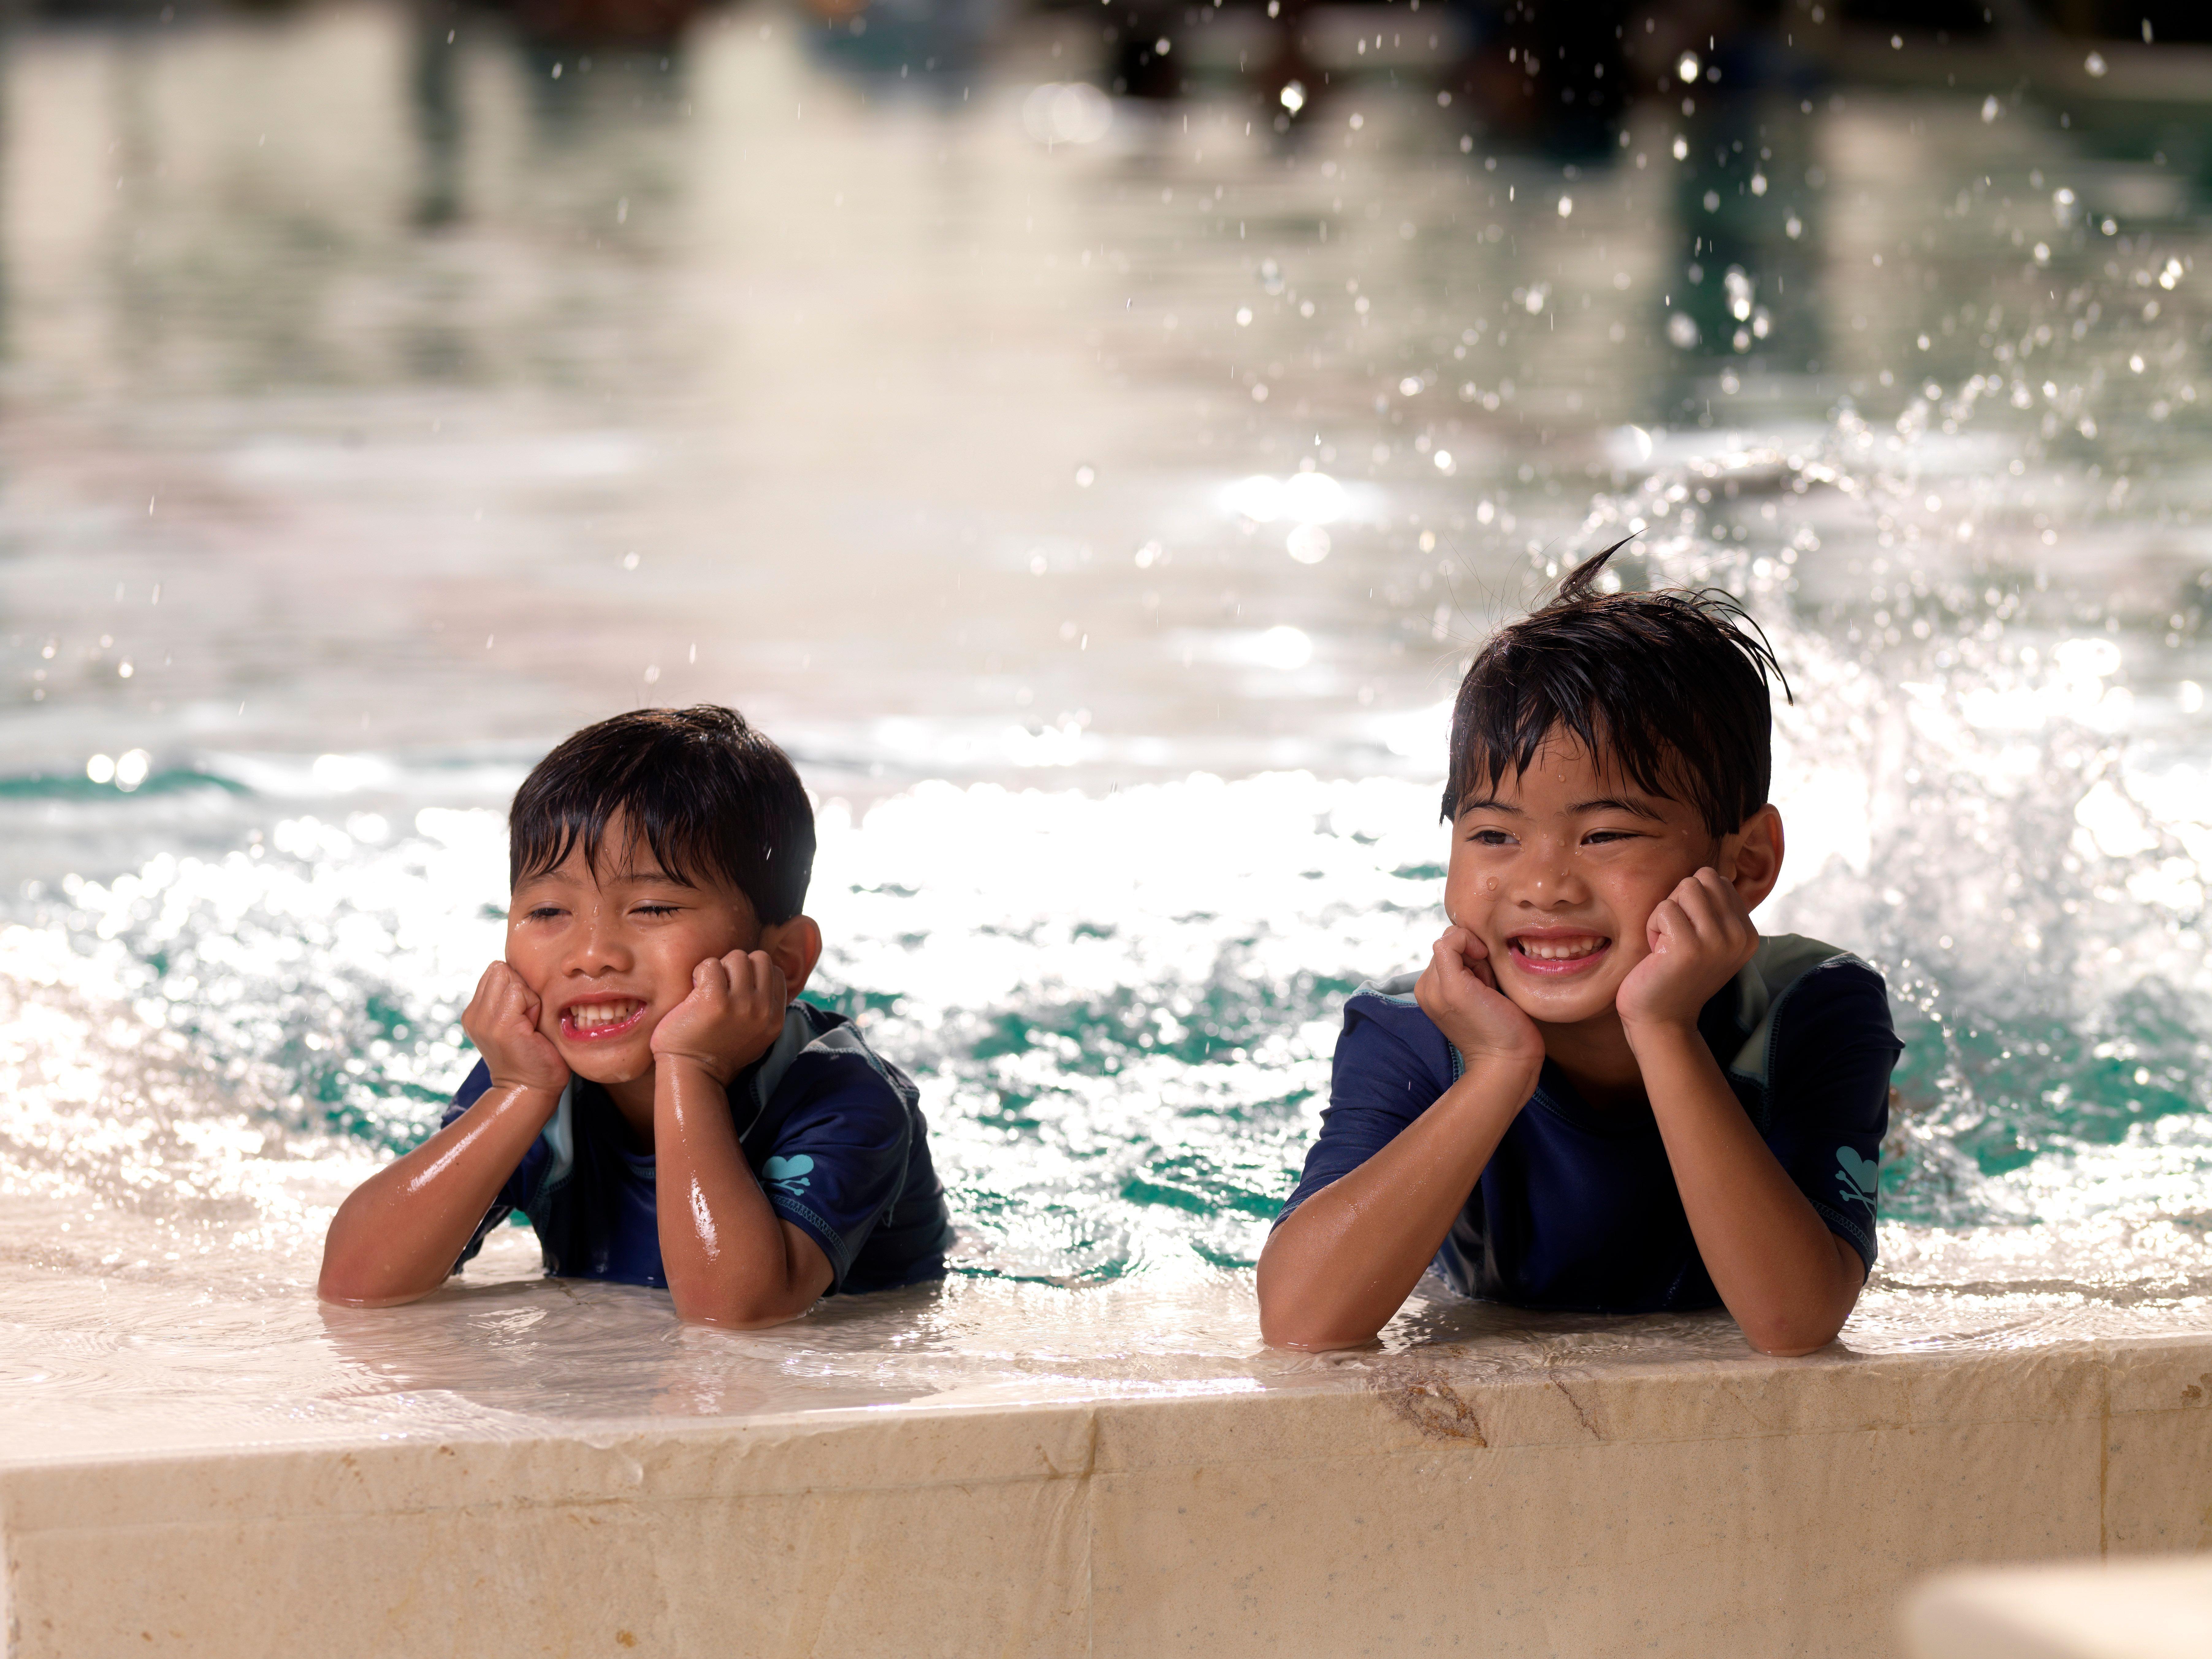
{"x": 502, "y": 1020}
{"x": 733, "y": 1016}
{"x": 1700, "y": 936}
{"x": 1459, "y": 991}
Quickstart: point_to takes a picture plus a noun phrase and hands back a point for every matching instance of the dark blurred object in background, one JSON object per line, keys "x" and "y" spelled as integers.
{"x": 1549, "y": 74}
{"x": 937, "y": 46}
{"x": 640, "y": 25}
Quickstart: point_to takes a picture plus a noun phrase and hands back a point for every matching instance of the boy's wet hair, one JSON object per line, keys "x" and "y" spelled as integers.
{"x": 1668, "y": 688}
{"x": 704, "y": 791}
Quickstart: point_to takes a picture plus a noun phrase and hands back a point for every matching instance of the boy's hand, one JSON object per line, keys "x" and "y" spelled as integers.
{"x": 502, "y": 1020}
{"x": 1700, "y": 937}
{"x": 733, "y": 1016}
{"x": 1459, "y": 991}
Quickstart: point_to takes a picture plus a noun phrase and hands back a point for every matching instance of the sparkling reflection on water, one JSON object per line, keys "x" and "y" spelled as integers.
{"x": 381, "y": 407}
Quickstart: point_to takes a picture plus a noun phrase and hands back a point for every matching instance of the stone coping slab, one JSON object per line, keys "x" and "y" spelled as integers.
{"x": 986, "y": 1467}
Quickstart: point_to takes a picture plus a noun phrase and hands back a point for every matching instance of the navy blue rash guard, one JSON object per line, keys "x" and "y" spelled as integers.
{"x": 833, "y": 1132}
{"x": 1577, "y": 1210}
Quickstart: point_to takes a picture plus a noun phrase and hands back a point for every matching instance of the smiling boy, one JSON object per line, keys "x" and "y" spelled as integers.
{"x": 652, "y": 1096}
{"x": 1605, "y": 1093}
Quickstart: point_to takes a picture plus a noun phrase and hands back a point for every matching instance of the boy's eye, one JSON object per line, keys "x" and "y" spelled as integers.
{"x": 1599, "y": 837}
{"x": 1491, "y": 838}
{"x": 541, "y": 912}
{"x": 655, "y": 910}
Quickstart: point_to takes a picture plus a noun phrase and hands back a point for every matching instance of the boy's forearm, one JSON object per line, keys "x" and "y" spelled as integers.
{"x": 1342, "y": 1264}
{"x": 1789, "y": 1281}
{"x": 397, "y": 1235}
{"x": 729, "y": 1257}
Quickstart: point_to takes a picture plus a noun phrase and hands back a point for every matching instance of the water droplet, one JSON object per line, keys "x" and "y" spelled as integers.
{"x": 101, "y": 768}
{"x": 2094, "y": 62}
{"x": 1308, "y": 543}
{"x": 1085, "y": 477}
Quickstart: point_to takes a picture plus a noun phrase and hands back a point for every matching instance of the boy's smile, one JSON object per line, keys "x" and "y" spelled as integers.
{"x": 611, "y": 953}
{"x": 1558, "y": 869}
{"x": 600, "y": 1018}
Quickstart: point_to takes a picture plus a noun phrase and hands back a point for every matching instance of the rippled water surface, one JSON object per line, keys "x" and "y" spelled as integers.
{"x": 1102, "y": 523}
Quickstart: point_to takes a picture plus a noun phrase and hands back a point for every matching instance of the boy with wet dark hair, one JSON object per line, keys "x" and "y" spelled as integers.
{"x": 653, "y": 1096}
{"x": 1606, "y": 1093}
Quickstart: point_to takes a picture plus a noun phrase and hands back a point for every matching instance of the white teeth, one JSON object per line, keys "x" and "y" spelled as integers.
{"x": 1543, "y": 951}
{"x": 586, "y": 1018}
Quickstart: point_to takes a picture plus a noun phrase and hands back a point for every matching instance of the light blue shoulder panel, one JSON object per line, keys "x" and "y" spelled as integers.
{"x": 1399, "y": 986}
{"x": 559, "y": 1134}
{"x": 1780, "y": 962}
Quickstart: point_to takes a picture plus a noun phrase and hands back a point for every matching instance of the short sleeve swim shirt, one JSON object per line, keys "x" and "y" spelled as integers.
{"x": 833, "y": 1132}
{"x": 1577, "y": 1209}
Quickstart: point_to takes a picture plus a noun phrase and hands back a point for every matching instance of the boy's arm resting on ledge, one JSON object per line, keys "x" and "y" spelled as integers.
{"x": 397, "y": 1235}
{"x": 730, "y": 1259}
{"x": 1346, "y": 1260}
{"x": 1337, "y": 1268}
{"x": 1790, "y": 1282}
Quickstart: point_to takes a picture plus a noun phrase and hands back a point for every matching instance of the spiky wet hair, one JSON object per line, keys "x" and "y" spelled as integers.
{"x": 1667, "y": 689}
{"x": 705, "y": 790}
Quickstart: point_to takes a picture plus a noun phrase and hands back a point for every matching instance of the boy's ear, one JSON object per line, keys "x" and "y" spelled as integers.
{"x": 1751, "y": 859}
{"x": 795, "y": 946}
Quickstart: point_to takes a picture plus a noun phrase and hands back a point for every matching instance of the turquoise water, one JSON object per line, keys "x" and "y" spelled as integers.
{"x": 1106, "y": 571}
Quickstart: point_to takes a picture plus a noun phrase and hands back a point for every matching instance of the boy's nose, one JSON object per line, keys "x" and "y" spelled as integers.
{"x": 1554, "y": 882}
{"x": 598, "y": 947}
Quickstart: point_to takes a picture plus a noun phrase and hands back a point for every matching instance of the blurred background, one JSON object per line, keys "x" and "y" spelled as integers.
{"x": 1092, "y": 438}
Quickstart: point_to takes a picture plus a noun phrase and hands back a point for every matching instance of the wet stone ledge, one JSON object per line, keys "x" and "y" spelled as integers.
{"x": 1524, "y": 1486}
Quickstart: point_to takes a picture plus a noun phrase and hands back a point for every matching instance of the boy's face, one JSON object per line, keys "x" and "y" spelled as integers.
{"x": 610, "y": 954}
{"x": 1558, "y": 869}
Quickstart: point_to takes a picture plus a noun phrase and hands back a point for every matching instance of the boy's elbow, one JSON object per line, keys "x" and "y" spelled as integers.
{"x": 1300, "y": 1328}
{"x": 1294, "y": 1310}
{"x": 738, "y": 1319}
{"x": 729, "y": 1313}
{"x": 1785, "y": 1338}
{"x": 344, "y": 1286}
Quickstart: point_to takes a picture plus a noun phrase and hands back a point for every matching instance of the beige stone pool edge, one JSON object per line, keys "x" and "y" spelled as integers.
{"x": 1676, "y": 1509}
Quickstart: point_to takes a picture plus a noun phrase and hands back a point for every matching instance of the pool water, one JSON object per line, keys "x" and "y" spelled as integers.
{"x": 1102, "y": 523}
